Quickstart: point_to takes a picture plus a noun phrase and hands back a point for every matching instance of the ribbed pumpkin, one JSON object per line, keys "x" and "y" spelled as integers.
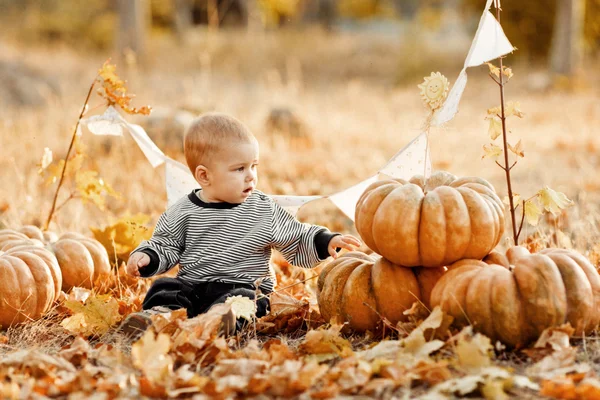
{"x": 82, "y": 260}
{"x": 31, "y": 282}
{"x": 430, "y": 223}
{"x": 356, "y": 278}
{"x": 514, "y": 297}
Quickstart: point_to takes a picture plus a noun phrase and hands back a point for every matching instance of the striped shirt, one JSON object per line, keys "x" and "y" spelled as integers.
{"x": 232, "y": 243}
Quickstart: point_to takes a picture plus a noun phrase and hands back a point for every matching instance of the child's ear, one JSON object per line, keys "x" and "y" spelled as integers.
{"x": 202, "y": 175}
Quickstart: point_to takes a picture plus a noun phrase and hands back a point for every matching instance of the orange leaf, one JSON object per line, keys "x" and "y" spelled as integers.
{"x": 115, "y": 92}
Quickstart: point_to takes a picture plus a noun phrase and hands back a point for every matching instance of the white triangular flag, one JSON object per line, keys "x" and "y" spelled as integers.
{"x": 293, "y": 201}
{"x": 179, "y": 181}
{"x": 109, "y": 123}
{"x": 346, "y": 199}
{"x": 489, "y": 43}
{"x": 154, "y": 155}
{"x": 412, "y": 160}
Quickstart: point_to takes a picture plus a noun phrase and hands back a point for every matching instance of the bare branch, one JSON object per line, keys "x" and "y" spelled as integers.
{"x": 521, "y": 225}
{"x": 62, "y": 175}
{"x": 494, "y": 79}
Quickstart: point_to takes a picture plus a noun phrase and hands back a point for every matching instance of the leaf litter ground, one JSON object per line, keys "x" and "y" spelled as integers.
{"x": 75, "y": 352}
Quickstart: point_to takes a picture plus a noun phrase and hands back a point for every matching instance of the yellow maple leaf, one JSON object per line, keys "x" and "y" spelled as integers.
{"x": 115, "y": 92}
{"x": 492, "y": 151}
{"x": 416, "y": 344}
{"x": 507, "y": 71}
{"x": 494, "y": 70}
{"x": 513, "y": 108}
{"x": 150, "y": 354}
{"x": 517, "y": 149}
{"x": 94, "y": 317}
{"x": 553, "y": 201}
{"x": 495, "y": 128}
{"x": 123, "y": 235}
{"x": 92, "y": 188}
{"x": 532, "y": 212}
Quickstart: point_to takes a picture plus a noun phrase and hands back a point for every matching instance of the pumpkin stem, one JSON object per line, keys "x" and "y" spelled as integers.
{"x": 506, "y": 168}
{"x": 62, "y": 174}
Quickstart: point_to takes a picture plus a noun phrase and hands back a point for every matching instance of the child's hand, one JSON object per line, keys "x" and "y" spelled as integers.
{"x": 347, "y": 242}
{"x": 135, "y": 262}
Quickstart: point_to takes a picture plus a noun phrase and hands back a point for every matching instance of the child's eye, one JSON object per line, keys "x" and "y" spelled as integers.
{"x": 240, "y": 169}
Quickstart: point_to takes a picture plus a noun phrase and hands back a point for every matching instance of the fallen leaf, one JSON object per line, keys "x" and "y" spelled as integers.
{"x": 150, "y": 354}
{"x": 386, "y": 349}
{"x": 557, "y": 364}
{"x": 94, "y": 317}
{"x": 77, "y": 351}
{"x": 326, "y": 341}
{"x": 493, "y": 389}
{"x": 473, "y": 352}
{"x": 556, "y": 338}
{"x": 588, "y": 389}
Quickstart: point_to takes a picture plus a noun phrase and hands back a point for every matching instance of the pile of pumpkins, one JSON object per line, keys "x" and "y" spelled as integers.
{"x": 35, "y": 266}
{"x": 434, "y": 240}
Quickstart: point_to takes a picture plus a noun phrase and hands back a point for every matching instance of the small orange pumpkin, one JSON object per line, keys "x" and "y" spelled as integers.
{"x": 31, "y": 282}
{"x": 430, "y": 223}
{"x": 355, "y": 278}
{"x": 82, "y": 260}
{"x": 514, "y": 297}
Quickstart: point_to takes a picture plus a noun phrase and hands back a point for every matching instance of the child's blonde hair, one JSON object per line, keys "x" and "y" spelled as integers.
{"x": 209, "y": 134}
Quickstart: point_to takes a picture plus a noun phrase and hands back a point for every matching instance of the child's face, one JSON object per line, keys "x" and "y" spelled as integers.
{"x": 233, "y": 175}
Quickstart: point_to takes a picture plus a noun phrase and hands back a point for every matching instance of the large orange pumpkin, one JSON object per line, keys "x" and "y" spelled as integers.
{"x": 31, "y": 282}
{"x": 82, "y": 260}
{"x": 355, "y": 278}
{"x": 514, "y": 297}
{"x": 431, "y": 222}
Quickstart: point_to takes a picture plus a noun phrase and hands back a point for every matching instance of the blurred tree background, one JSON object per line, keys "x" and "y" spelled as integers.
{"x": 532, "y": 26}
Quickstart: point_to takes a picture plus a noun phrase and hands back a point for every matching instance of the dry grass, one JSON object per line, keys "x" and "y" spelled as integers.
{"x": 342, "y": 88}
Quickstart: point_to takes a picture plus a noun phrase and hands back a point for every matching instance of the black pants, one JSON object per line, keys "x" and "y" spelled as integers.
{"x": 175, "y": 293}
